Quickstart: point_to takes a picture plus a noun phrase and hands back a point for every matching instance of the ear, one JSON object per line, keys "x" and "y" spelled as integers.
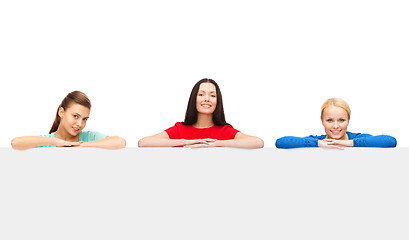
{"x": 61, "y": 112}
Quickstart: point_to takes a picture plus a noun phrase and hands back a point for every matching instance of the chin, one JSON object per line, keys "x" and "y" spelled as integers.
{"x": 206, "y": 112}
{"x": 338, "y": 137}
{"x": 75, "y": 133}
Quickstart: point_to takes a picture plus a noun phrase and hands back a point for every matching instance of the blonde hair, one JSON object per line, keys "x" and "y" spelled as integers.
{"x": 338, "y": 102}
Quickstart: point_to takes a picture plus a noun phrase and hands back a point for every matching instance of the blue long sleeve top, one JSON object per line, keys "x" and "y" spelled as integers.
{"x": 360, "y": 140}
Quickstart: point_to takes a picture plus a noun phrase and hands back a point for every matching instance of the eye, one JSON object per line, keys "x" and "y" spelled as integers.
{"x": 213, "y": 95}
{"x": 341, "y": 120}
{"x": 200, "y": 94}
{"x": 76, "y": 116}
{"x": 329, "y": 120}
{"x": 85, "y": 119}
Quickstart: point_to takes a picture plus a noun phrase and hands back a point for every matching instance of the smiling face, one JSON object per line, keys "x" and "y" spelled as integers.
{"x": 206, "y": 99}
{"x": 335, "y": 121}
{"x": 74, "y": 118}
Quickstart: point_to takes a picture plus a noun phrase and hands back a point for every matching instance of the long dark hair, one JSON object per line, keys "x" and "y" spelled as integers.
{"x": 191, "y": 111}
{"x": 73, "y": 97}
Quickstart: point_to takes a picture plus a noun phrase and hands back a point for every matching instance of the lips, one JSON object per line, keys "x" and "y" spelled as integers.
{"x": 76, "y": 129}
{"x": 205, "y": 105}
{"x": 336, "y": 132}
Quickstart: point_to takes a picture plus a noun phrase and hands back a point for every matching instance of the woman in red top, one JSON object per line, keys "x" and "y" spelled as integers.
{"x": 204, "y": 125}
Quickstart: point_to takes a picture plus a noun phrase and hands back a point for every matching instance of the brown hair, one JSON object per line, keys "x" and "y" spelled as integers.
{"x": 72, "y": 97}
{"x": 338, "y": 102}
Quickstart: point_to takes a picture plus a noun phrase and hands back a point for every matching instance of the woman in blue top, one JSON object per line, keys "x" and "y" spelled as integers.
{"x": 335, "y": 115}
{"x": 71, "y": 118}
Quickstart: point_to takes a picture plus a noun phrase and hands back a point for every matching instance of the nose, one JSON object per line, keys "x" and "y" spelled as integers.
{"x": 79, "y": 122}
{"x": 206, "y": 98}
{"x": 336, "y": 124}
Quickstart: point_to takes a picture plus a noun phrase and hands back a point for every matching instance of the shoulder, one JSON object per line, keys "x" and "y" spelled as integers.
{"x": 174, "y": 131}
{"x": 226, "y": 128}
{"x": 47, "y": 135}
{"x": 178, "y": 125}
{"x": 181, "y": 125}
{"x": 226, "y": 131}
{"x": 89, "y": 136}
{"x": 357, "y": 135}
{"x": 318, "y": 137}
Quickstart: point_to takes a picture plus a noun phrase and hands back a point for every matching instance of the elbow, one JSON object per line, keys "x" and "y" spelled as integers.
{"x": 259, "y": 143}
{"x": 280, "y": 143}
{"x": 122, "y": 142}
{"x": 119, "y": 142}
{"x": 17, "y": 144}
{"x": 384, "y": 141}
{"x": 14, "y": 143}
{"x": 142, "y": 143}
{"x": 392, "y": 142}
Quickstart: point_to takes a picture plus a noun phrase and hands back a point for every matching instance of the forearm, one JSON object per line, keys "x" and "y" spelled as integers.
{"x": 23, "y": 143}
{"x": 382, "y": 141}
{"x": 296, "y": 142}
{"x": 248, "y": 142}
{"x": 160, "y": 142}
{"x": 114, "y": 142}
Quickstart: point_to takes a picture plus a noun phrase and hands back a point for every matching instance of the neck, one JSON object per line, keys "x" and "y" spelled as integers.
{"x": 64, "y": 135}
{"x": 204, "y": 121}
{"x": 345, "y": 137}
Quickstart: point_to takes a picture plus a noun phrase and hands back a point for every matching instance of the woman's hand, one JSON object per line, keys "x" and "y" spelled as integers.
{"x": 62, "y": 143}
{"x": 240, "y": 141}
{"x": 198, "y": 143}
{"x": 333, "y": 143}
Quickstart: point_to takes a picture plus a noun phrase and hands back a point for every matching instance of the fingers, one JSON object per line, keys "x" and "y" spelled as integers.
{"x": 69, "y": 144}
{"x": 332, "y": 143}
{"x": 336, "y": 147}
{"x": 342, "y": 143}
{"x": 200, "y": 145}
{"x": 72, "y": 144}
{"x": 78, "y": 144}
{"x": 206, "y": 140}
{"x": 200, "y": 141}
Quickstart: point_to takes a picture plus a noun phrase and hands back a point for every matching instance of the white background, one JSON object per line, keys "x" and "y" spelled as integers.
{"x": 276, "y": 62}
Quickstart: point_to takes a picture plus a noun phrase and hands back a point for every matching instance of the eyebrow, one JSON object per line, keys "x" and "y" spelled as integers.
{"x": 80, "y": 115}
{"x": 205, "y": 91}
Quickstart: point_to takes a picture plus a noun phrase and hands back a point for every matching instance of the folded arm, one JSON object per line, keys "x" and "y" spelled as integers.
{"x": 381, "y": 141}
{"x": 296, "y": 142}
{"x": 241, "y": 140}
{"x": 26, "y": 142}
{"x": 110, "y": 142}
{"x": 162, "y": 140}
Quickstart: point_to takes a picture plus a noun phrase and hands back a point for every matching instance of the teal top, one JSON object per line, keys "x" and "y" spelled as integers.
{"x": 87, "y": 136}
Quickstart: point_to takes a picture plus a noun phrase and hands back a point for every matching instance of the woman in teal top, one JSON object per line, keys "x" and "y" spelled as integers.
{"x": 70, "y": 120}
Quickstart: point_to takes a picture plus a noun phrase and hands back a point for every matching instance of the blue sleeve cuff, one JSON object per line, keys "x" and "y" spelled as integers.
{"x": 310, "y": 142}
